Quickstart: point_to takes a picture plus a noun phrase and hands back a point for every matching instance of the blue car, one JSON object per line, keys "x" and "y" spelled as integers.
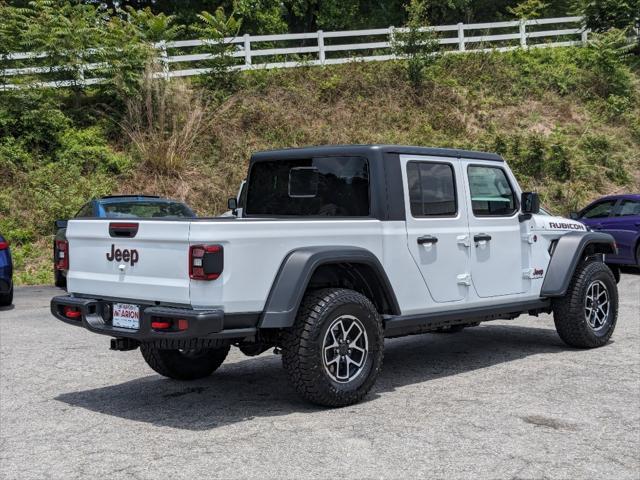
{"x": 6, "y": 274}
{"x": 618, "y": 215}
{"x": 113, "y": 206}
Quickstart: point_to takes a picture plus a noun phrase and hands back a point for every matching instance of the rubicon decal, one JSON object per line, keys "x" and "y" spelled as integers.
{"x": 566, "y": 226}
{"x": 125, "y": 255}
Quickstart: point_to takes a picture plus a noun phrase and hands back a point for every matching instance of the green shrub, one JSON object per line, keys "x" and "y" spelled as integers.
{"x": 88, "y": 148}
{"x": 35, "y": 118}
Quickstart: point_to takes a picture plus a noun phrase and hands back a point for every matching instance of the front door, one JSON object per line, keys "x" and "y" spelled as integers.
{"x": 624, "y": 226}
{"x": 494, "y": 229}
{"x": 437, "y": 232}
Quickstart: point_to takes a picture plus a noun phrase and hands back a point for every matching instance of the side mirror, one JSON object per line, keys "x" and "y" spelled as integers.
{"x": 530, "y": 202}
{"x": 232, "y": 204}
{"x": 574, "y": 215}
{"x": 60, "y": 224}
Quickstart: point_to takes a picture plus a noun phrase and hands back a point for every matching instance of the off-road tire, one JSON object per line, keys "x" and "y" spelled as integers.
{"x": 569, "y": 311}
{"x": 302, "y": 347}
{"x": 6, "y": 299}
{"x": 60, "y": 280}
{"x": 184, "y": 365}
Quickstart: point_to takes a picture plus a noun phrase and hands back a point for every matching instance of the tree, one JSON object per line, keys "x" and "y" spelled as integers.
{"x": 261, "y": 17}
{"x": 602, "y": 15}
{"x": 417, "y": 43}
{"x": 154, "y": 27}
{"x": 528, "y": 9}
{"x": 215, "y": 28}
{"x": 79, "y": 41}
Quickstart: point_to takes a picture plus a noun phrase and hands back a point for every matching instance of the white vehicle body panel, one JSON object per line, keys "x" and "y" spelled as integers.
{"x": 496, "y": 265}
{"x": 424, "y": 279}
{"x": 161, "y": 271}
{"x": 442, "y": 264}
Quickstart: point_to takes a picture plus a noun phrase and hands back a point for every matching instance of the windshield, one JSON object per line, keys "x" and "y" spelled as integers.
{"x": 142, "y": 209}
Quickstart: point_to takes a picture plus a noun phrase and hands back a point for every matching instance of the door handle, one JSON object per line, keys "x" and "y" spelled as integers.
{"x": 482, "y": 237}
{"x": 427, "y": 239}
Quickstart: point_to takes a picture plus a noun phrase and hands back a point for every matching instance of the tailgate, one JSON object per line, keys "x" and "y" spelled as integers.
{"x": 148, "y": 264}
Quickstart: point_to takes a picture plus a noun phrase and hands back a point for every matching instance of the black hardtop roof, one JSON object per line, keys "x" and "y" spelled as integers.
{"x": 367, "y": 150}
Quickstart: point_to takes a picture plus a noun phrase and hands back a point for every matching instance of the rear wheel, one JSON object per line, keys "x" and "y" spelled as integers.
{"x": 187, "y": 364}
{"x": 333, "y": 353}
{"x": 6, "y": 299}
{"x": 586, "y": 316}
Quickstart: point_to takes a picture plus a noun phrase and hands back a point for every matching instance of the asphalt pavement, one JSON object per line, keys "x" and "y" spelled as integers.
{"x": 505, "y": 400}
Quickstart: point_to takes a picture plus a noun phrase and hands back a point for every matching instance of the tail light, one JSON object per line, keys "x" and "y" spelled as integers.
{"x": 206, "y": 262}
{"x": 62, "y": 255}
{"x": 4, "y": 245}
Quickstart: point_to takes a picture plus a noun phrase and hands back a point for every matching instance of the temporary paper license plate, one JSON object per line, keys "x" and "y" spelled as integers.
{"x": 126, "y": 315}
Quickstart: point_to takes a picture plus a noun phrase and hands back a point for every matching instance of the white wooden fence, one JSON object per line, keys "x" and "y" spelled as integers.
{"x": 184, "y": 58}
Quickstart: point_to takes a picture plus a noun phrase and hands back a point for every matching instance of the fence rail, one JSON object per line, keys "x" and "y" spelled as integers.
{"x": 185, "y": 58}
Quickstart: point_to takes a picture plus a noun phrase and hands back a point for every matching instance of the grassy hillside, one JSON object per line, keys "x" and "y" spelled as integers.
{"x": 567, "y": 120}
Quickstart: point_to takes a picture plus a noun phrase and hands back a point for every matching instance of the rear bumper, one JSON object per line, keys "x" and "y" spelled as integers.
{"x": 203, "y": 324}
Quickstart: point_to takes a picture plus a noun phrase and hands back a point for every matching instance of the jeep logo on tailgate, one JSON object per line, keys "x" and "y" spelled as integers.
{"x": 125, "y": 255}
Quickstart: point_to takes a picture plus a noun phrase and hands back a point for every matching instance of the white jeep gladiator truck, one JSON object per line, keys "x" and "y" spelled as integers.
{"x": 336, "y": 248}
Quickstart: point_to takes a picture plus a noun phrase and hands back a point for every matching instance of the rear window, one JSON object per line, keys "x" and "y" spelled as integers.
{"x": 146, "y": 210}
{"x": 432, "y": 189}
{"x": 327, "y": 186}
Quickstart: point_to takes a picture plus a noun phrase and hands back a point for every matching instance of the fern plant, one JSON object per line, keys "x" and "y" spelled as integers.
{"x": 217, "y": 28}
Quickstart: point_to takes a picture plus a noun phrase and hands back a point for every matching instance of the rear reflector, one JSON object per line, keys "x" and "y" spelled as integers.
{"x": 183, "y": 324}
{"x": 71, "y": 312}
{"x": 4, "y": 245}
{"x": 158, "y": 325}
{"x": 61, "y": 261}
{"x": 206, "y": 262}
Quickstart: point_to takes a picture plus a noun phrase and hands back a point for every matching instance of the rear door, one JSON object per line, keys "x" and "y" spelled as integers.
{"x": 437, "y": 232}
{"x": 137, "y": 260}
{"x": 624, "y": 225}
{"x": 497, "y": 255}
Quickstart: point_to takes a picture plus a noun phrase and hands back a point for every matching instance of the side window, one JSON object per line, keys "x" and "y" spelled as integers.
{"x": 491, "y": 193}
{"x": 599, "y": 210}
{"x": 629, "y": 208}
{"x": 85, "y": 211}
{"x": 432, "y": 190}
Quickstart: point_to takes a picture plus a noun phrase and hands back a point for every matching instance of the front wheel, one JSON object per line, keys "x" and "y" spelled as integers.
{"x": 184, "y": 364}
{"x": 333, "y": 353}
{"x": 586, "y": 316}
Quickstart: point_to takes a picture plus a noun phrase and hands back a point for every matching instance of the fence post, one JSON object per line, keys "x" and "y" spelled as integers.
{"x": 81, "y": 72}
{"x": 247, "y": 49}
{"x": 523, "y": 33}
{"x": 461, "y": 46}
{"x": 585, "y": 36}
{"x": 164, "y": 59}
{"x": 321, "y": 52}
